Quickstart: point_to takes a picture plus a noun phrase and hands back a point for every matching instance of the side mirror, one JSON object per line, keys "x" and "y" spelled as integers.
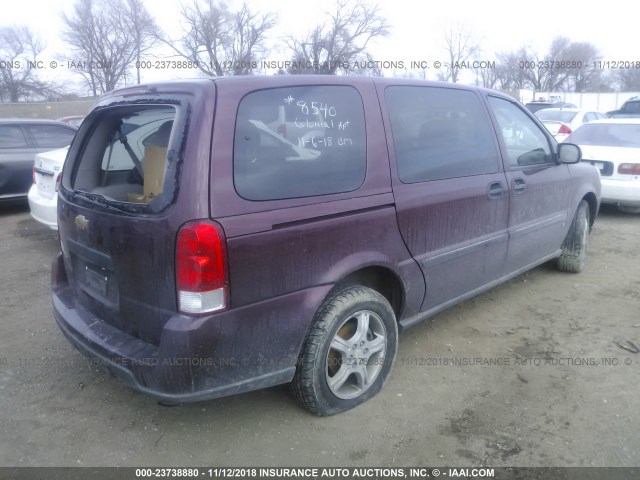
{"x": 569, "y": 153}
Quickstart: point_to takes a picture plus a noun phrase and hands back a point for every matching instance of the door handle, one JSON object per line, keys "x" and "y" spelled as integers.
{"x": 496, "y": 189}
{"x": 519, "y": 186}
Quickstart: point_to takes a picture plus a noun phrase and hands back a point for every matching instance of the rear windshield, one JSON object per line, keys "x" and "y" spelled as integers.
{"x": 557, "y": 115}
{"x": 633, "y": 107}
{"x": 125, "y": 157}
{"x": 607, "y": 135}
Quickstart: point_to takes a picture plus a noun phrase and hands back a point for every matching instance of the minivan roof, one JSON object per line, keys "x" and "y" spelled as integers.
{"x": 185, "y": 85}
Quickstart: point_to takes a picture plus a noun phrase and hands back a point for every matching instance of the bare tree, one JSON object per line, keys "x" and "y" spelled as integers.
{"x": 222, "y": 41}
{"x": 459, "y": 46}
{"x": 485, "y": 73}
{"x": 340, "y": 42}
{"x": 583, "y": 76}
{"x": 107, "y": 36}
{"x": 550, "y": 74}
{"x": 19, "y": 50}
{"x": 628, "y": 79}
{"x": 486, "y": 77}
{"x": 144, "y": 30}
{"x": 248, "y": 36}
{"x": 510, "y": 72}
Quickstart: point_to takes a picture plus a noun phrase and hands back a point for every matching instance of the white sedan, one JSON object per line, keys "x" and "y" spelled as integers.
{"x": 613, "y": 147}
{"x": 43, "y": 195}
{"x": 562, "y": 121}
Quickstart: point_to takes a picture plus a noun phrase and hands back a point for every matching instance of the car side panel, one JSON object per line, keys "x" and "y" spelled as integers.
{"x": 295, "y": 254}
{"x": 539, "y": 216}
{"x": 15, "y": 171}
{"x": 276, "y": 247}
{"x": 453, "y": 227}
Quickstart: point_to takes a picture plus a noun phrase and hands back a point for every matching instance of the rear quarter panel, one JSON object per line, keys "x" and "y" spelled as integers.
{"x": 585, "y": 183}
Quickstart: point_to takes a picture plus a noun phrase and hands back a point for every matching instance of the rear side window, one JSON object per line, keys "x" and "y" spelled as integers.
{"x": 440, "y": 133}
{"x": 125, "y": 156}
{"x": 299, "y": 142}
{"x": 51, "y": 136}
{"x": 12, "y": 137}
{"x": 633, "y": 107}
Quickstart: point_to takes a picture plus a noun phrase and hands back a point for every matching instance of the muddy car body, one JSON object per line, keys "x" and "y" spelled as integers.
{"x": 242, "y": 262}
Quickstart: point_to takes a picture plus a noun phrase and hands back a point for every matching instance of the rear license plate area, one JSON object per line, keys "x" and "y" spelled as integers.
{"x": 44, "y": 180}
{"x": 598, "y": 165}
{"x": 97, "y": 281}
{"x": 605, "y": 168}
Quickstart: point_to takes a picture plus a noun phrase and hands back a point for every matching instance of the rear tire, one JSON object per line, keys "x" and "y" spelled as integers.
{"x": 574, "y": 247}
{"x": 348, "y": 352}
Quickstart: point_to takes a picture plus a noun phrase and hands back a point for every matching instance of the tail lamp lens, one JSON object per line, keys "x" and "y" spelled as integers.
{"x": 629, "y": 168}
{"x": 201, "y": 268}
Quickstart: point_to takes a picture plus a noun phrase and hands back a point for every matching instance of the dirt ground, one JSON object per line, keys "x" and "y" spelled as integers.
{"x": 527, "y": 374}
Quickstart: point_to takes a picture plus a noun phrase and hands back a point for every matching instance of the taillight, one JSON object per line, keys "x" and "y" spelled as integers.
{"x": 564, "y": 130}
{"x": 33, "y": 175}
{"x": 629, "y": 168}
{"x": 202, "y": 279}
{"x": 58, "y": 181}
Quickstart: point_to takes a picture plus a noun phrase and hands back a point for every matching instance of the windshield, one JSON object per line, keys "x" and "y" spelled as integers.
{"x": 607, "y": 135}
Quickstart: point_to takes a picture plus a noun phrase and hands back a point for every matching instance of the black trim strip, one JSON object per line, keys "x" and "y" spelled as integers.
{"x": 42, "y": 171}
{"x": 331, "y": 216}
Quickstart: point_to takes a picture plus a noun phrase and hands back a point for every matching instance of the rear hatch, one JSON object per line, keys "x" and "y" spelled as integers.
{"x": 46, "y": 169}
{"x": 118, "y": 213}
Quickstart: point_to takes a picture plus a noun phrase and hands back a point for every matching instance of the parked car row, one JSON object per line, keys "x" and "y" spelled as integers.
{"x": 20, "y": 141}
{"x": 609, "y": 142}
{"x": 613, "y": 147}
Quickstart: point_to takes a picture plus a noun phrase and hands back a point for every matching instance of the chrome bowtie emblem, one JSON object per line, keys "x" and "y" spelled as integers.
{"x": 81, "y": 222}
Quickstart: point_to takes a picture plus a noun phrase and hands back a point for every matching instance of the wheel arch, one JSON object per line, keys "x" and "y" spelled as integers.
{"x": 592, "y": 201}
{"x": 381, "y": 279}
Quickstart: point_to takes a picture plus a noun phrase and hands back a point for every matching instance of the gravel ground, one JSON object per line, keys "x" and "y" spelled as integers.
{"x": 527, "y": 374}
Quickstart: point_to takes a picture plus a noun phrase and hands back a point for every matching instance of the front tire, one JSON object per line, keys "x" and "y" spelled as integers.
{"x": 574, "y": 247}
{"x": 348, "y": 353}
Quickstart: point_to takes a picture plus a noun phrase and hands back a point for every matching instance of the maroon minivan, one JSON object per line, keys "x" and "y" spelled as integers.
{"x": 220, "y": 236}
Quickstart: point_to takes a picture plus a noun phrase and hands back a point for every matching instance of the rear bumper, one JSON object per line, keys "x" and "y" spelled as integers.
{"x": 43, "y": 210}
{"x": 624, "y": 192}
{"x": 198, "y": 358}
